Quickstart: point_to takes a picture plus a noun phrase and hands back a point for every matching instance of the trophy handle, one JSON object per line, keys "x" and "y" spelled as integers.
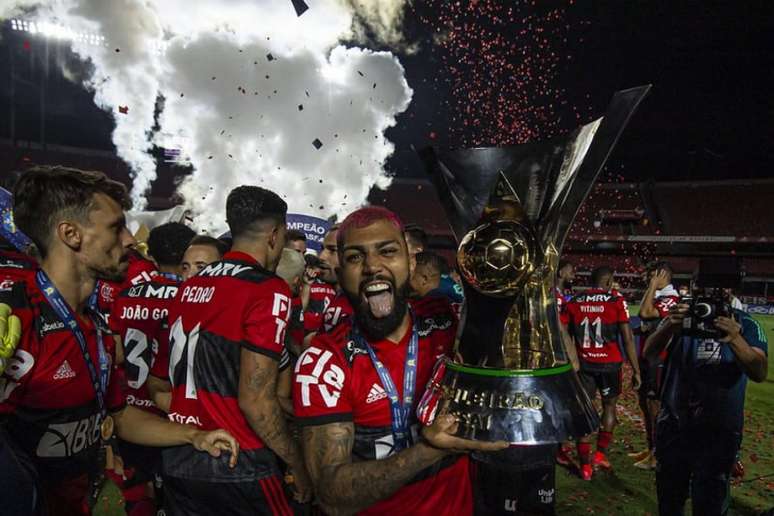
{"x": 562, "y": 213}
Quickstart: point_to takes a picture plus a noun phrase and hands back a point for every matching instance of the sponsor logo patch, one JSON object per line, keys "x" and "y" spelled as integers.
{"x": 376, "y": 393}
{"x": 64, "y": 372}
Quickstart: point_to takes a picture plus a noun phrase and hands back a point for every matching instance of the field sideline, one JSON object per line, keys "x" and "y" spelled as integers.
{"x": 630, "y": 491}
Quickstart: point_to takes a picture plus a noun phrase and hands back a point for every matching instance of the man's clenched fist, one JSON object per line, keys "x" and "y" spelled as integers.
{"x": 10, "y": 333}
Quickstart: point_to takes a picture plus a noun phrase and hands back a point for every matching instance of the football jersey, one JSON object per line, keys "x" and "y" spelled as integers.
{"x": 335, "y": 381}
{"x": 139, "y": 271}
{"x": 338, "y": 310}
{"x": 594, "y": 317}
{"x": 320, "y": 296}
{"x": 47, "y": 401}
{"x": 231, "y": 305}
{"x": 295, "y": 332}
{"x": 139, "y": 317}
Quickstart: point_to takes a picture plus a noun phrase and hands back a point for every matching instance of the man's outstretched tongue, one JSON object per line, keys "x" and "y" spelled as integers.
{"x": 381, "y": 304}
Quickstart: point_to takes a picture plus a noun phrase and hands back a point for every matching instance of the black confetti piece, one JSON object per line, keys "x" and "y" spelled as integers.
{"x": 317, "y": 143}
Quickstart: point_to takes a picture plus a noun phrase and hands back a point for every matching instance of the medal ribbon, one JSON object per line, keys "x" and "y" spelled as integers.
{"x": 171, "y": 276}
{"x": 401, "y": 429}
{"x": 67, "y": 316}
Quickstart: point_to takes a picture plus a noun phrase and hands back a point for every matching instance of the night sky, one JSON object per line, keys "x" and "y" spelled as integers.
{"x": 496, "y": 73}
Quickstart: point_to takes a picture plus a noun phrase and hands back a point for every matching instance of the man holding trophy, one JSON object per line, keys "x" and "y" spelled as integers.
{"x": 511, "y": 395}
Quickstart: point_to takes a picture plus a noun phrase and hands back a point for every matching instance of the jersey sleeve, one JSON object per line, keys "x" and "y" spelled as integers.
{"x": 321, "y": 387}
{"x": 754, "y": 334}
{"x": 266, "y": 318}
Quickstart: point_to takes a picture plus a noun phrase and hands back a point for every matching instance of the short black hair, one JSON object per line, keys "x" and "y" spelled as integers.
{"x": 167, "y": 243}
{"x": 45, "y": 194}
{"x": 417, "y": 235}
{"x": 599, "y": 273}
{"x": 249, "y": 206}
{"x": 294, "y": 235}
{"x": 661, "y": 266}
{"x": 221, "y": 246}
{"x": 433, "y": 261}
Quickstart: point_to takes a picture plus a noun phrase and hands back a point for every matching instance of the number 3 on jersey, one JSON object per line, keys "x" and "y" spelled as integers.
{"x": 181, "y": 343}
{"x": 597, "y": 324}
{"x": 139, "y": 357}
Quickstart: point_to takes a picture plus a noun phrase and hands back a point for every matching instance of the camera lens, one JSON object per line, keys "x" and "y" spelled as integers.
{"x": 703, "y": 310}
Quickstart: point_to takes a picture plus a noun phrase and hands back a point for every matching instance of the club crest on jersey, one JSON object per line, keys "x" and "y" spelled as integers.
{"x": 106, "y": 292}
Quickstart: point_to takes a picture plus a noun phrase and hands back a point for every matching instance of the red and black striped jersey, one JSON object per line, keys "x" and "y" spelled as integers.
{"x": 139, "y": 317}
{"x": 11, "y": 261}
{"x": 140, "y": 271}
{"x": 231, "y": 305}
{"x": 594, "y": 317}
{"x": 321, "y": 295}
{"x": 335, "y": 381}
{"x": 47, "y": 400}
{"x": 338, "y": 310}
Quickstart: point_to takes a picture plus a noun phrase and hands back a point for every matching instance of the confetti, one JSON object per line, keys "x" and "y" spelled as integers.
{"x": 270, "y": 57}
{"x": 123, "y": 110}
{"x": 317, "y": 143}
{"x": 300, "y": 107}
{"x": 300, "y": 7}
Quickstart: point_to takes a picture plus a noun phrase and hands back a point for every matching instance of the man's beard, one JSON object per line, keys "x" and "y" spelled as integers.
{"x": 378, "y": 328}
{"x": 115, "y": 273}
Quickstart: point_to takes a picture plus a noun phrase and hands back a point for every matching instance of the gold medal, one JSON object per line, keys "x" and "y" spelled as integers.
{"x": 106, "y": 428}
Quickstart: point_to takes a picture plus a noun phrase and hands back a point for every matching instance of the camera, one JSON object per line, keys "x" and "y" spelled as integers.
{"x": 699, "y": 321}
{"x": 714, "y": 275}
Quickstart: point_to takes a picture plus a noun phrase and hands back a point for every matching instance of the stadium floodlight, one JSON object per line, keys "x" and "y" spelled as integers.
{"x": 58, "y": 31}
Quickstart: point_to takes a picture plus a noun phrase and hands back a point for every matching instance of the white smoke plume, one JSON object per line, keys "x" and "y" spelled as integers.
{"x": 250, "y": 92}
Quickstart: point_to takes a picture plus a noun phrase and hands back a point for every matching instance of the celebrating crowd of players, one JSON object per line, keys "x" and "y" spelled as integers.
{"x": 243, "y": 377}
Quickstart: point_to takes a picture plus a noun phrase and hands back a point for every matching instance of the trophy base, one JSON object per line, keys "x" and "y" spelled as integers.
{"x": 524, "y": 407}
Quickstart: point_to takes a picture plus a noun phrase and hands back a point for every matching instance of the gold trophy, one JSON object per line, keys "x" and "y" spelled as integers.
{"x": 511, "y": 209}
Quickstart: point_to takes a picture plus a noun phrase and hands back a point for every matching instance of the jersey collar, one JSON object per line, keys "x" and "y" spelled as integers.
{"x": 240, "y": 256}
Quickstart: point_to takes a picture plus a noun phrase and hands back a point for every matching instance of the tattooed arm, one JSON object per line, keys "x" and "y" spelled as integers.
{"x": 261, "y": 407}
{"x": 344, "y": 487}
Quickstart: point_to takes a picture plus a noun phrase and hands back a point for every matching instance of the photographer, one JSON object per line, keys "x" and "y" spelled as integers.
{"x": 712, "y": 350}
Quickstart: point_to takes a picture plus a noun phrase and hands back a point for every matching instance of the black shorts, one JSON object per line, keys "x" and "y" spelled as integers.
{"x": 507, "y": 491}
{"x": 185, "y": 497}
{"x": 651, "y": 379}
{"x": 608, "y": 383}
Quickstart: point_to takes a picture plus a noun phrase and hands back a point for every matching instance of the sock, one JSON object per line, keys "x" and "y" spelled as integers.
{"x": 584, "y": 452}
{"x": 603, "y": 440}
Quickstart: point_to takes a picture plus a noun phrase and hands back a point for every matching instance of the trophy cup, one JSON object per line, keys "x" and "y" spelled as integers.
{"x": 511, "y": 209}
